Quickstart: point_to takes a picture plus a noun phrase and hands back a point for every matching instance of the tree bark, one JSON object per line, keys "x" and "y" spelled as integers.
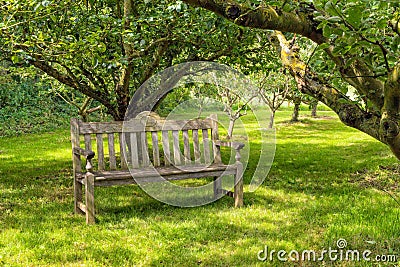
{"x": 314, "y": 105}
{"x": 311, "y": 84}
{"x": 265, "y": 17}
{"x": 230, "y": 128}
{"x": 271, "y": 119}
{"x": 389, "y": 124}
{"x": 296, "y": 109}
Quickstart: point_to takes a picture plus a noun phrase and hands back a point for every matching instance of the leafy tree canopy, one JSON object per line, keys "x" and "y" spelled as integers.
{"x": 107, "y": 49}
{"x": 356, "y": 43}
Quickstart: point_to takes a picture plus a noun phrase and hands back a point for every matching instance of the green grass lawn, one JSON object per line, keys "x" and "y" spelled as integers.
{"x": 327, "y": 182}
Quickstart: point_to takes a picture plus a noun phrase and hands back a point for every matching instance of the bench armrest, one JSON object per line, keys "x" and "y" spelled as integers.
{"x": 88, "y": 154}
{"x": 234, "y": 145}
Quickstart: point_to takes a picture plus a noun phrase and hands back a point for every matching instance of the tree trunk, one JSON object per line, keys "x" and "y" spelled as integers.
{"x": 271, "y": 119}
{"x": 314, "y": 105}
{"x": 230, "y": 128}
{"x": 296, "y": 109}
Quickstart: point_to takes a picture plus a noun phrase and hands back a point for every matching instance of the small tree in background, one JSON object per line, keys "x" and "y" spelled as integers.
{"x": 235, "y": 101}
{"x": 274, "y": 88}
{"x": 314, "y": 106}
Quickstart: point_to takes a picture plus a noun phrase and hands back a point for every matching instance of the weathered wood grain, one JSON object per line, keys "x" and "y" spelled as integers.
{"x": 100, "y": 151}
{"x": 111, "y": 151}
{"x": 76, "y": 164}
{"x": 167, "y": 152}
{"x": 122, "y": 150}
{"x": 196, "y": 145}
{"x": 88, "y": 142}
{"x": 137, "y": 126}
{"x": 206, "y": 146}
{"x": 134, "y": 150}
{"x": 186, "y": 146}
{"x": 89, "y": 198}
{"x": 144, "y": 149}
{"x": 156, "y": 151}
{"x": 177, "y": 151}
{"x": 133, "y": 139}
{"x": 214, "y": 138}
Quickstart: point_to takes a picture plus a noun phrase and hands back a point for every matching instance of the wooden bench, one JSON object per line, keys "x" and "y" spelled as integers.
{"x": 123, "y": 155}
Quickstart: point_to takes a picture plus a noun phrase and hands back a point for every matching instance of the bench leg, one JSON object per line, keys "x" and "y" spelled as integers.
{"x": 77, "y": 196}
{"x": 238, "y": 191}
{"x": 217, "y": 187}
{"x": 89, "y": 195}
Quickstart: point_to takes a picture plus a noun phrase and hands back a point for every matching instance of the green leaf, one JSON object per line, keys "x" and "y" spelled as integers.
{"x": 327, "y": 31}
{"x": 329, "y": 7}
{"x": 354, "y": 15}
{"x": 102, "y": 47}
{"x": 334, "y": 19}
{"x": 382, "y": 24}
{"x": 323, "y": 46}
{"x": 15, "y": 59}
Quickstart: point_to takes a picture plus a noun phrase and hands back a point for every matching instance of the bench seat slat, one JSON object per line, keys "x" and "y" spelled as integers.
{"x": 191, "y": 171}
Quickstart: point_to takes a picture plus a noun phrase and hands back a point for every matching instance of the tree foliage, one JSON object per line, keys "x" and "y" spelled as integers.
{"x": 27, "y": 104}
{"x": 107, "y": 49}
{"x": 274, "y": 89}
{"x": 357, "y": 45}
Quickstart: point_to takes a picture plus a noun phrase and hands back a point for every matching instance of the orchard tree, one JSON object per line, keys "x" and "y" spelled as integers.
{"x": 274, "y": 88}
{"x": 357, "y": 43}
{"x": 235, "y": 103}
{"x": 297, "y": 98}
{"x": 314, "y": 107}
{"x": 106, "y": 49}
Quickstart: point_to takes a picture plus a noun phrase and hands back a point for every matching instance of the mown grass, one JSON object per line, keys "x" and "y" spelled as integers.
{"x": 327, "y": 182}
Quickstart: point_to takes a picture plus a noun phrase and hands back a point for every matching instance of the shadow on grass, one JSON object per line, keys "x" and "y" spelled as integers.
{"x": 306, "y": 202}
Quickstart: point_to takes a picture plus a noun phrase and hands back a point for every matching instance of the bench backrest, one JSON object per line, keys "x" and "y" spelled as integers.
{"x": 146, "y": 141}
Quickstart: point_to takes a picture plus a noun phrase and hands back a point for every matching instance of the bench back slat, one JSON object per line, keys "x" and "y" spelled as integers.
{"x": 177, "y": 151}
{"x": 136, "y": 125}
{"x": 186, "y": 146}
{"x": 215, "y": 137}
{"x": 100, "y": 151}
{"x": 156, "y": 151}
{"x": 88, "y": 142}
{"x": 167, "y": 152}
{"x": 141, "y": 143}
{"x": 111, "y": 151}
{"x": 122, "y": 151}
{"x": 206, "y": 146}
{"x": 145, "y": 150}
{"x": 134, "y": 150}
{"x": 196, "y": 146}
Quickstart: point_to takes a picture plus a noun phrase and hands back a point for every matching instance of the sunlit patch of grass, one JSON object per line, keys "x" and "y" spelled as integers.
{"x": 327, "y": 182}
